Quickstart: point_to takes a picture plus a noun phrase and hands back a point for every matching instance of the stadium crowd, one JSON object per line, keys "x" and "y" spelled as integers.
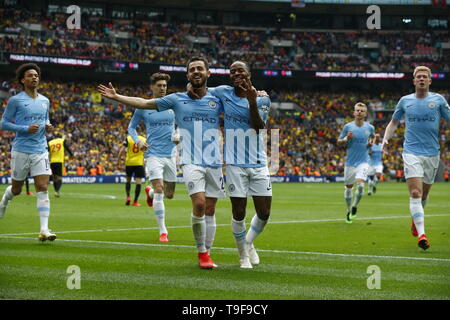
{"x": 95, "y": 129}
{"x": 171, "y": 43}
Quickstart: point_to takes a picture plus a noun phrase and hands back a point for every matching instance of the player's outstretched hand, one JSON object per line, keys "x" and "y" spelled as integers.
{"x": 108, "y": 92}
{"x": 384, "y": 147}
{"x": 349, "y": 135}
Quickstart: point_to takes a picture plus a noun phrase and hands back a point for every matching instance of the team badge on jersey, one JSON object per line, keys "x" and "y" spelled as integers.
{"x": 44, "y": 105}
{"x": 265, "y": 108}
{"x": 191, "y": 185}
{"x": 212, "y": 104}
{"x": 170, "y": 111}
{"x": 431, "y": 104}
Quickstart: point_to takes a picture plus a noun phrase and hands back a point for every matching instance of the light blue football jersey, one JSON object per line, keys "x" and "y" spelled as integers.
{"x": 375, "y": 155}
{"x": 198, "y": 123}
{"x": 357, "y": 150}
{"x": 21, "y": 112}
{"x": 422, "y": 118}
{"x": 159, "y": 126}
{"x": 243, "y": 146}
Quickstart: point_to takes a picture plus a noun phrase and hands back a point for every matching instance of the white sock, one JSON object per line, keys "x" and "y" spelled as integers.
{"x": 8, "y": 195}
{"x": 359, "y": 193}
{"x": 210, "y": 222}
{"x": 417, "y": 214}
{"x": 371, "y": 185}
{"x": 199, "y": 230}
{"x": 239, "y": 231}
{"x": 256, "y": 227}
{"x": 348, "y": 198}
{"x": 375, "y": 180}
{"x": 160, "y": 211}
{"x": 43, "y": 206}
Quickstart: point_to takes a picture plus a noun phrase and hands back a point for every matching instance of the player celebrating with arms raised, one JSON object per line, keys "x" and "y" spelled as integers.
{"x": 27, "y": 114}
{"x": 198, "y": 121}
{"x": 423, "y": 111}
{"x": 356, "y": 136}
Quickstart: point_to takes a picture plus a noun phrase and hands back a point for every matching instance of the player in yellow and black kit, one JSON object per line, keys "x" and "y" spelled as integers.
{"x": 56, "y": 148}
{"x": 134, "y": 165}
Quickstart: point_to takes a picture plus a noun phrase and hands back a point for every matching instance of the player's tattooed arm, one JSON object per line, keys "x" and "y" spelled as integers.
{"x": 136, "y": 102}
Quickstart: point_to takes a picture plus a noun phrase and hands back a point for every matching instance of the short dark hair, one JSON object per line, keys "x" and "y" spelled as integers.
{"x": 20, "y": 71}
{"x": 197, "y": 58}
{"x": 159, "y": 76}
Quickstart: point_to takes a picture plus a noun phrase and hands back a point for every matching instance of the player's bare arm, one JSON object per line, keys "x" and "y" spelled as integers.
{"x": 136, "y": 102}
{"x": 388, "y": 133}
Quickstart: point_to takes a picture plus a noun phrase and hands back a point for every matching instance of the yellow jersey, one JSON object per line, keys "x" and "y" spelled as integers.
{"x": 135, "y": 156}
{"x": 56, "y": 148}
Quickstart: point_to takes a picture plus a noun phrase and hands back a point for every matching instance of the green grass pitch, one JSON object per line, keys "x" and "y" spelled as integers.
{"x": 307, "y": 250}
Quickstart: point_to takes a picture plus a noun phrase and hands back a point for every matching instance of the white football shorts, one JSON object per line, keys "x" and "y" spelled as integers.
{"x": 164, "y": 168}
{"x": 35, "y": 164}
{"x": 420, "y": 167}
{"x": 375, "y": 169}
{"x": 244, "y": 182}
{"x": 353, "y": 173}
{"x": 204, "y": 179}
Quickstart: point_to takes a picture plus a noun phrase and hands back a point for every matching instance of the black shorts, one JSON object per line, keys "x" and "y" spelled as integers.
{"x": 56, "y": 168}
{"x": 138, "y": 171}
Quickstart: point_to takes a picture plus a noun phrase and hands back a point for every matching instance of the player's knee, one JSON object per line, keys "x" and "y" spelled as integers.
{"x": 263, "y": 214}
{"x": 360, "y": 186}
{"x": 415, "y": 193}
{"x": 16, "y": 191}
{"x": 168, "y": 194}
{"x": 159, "y": 189}
{"x": 199, "y": 205}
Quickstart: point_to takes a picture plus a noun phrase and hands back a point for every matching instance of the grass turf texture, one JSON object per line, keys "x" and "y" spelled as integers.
{"x": 307, "y": 250}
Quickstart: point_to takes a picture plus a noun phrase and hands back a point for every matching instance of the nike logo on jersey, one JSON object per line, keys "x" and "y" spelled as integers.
{"x": 409, "y": 106}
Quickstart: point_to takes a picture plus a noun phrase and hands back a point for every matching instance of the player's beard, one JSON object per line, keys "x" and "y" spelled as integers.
{"x": 198, "y": 84}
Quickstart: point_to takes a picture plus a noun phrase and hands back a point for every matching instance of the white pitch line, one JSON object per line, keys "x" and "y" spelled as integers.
{"x": 225, "y": 225}
{"x": 234, "y": 249}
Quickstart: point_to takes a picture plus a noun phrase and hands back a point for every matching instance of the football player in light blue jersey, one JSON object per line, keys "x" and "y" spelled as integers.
{"x": 245, "y": 114}
{"x": 423, "y": 111}
{"x": 27, "y": 114}
{"x": 160, "y": 154}
{"x": 201, "y": 159}
{"x": 356, "y": 136}
{"x": 375, "y": 164}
